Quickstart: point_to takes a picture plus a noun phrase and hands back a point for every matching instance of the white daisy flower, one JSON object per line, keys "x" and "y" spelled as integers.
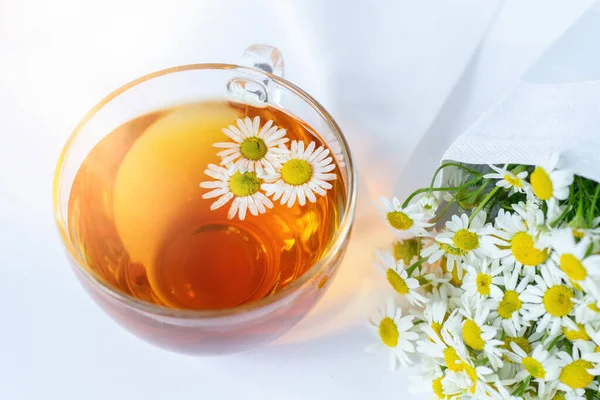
{"x": 473, "y": 240}
{"x": 428, "y": 204}
{"x": 520, "y": 232}
{"x": 482, "y": 281}
{"x": 549, "y": 302}
{"x": 303, "y": 173}
{"x": 434, "y": 315}
{"x": 593, "y": 336}
{"x": 253, "y": 148}
{"x": 540, "y": 365}
{"x": 447, "y": 350}
{"x": 548, "y": 182}
{"x": 527, "y": 342}
{"x": 449, "y": 258}
{"x": 587, "y": 310}
{"x": 397, "y": 277}
{"x": 506, "y": 179}
{"x": 551, "y": 392}
{"x": 405, "y": 222}
{"x": 431, "y": 278}
{"x": 471, "y": 383}
{"x": 429, "y": 380}
{"x": 577, "y": 372}
{"x": 243, "y": 187}
{"x": 394, "y": 333}
{"x": 508, "y": 311}
{"x": 572, "y": 259}
{"x": 477, "y": 334}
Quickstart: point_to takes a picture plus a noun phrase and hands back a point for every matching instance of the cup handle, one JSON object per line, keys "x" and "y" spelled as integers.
{"x": 254, "y": 90}
{"x": 264, "y": 57}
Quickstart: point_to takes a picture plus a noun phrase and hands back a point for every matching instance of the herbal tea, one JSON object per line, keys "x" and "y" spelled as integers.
{"x": 207, "y": 205}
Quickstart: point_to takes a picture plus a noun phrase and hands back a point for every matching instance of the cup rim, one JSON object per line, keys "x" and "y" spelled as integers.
{"x": 335, "y": 247}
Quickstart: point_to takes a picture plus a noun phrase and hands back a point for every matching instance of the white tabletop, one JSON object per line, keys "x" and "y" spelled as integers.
{"x": 58, "y": 58}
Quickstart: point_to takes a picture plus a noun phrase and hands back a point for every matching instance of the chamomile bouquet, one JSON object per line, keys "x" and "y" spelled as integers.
{"x": 496, "y": 282}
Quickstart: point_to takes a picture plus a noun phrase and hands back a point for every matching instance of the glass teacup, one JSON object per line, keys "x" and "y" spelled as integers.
{"x": 115, "y": 232}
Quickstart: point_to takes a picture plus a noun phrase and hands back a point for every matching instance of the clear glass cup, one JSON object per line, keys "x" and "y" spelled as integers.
{"x": 242, "y": 327}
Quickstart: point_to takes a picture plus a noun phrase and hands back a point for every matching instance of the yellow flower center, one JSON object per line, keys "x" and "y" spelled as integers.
{"x": 296, "y": 172}
{"x": 576, "y": 334}
{"x": 451, "y": 249}
{"x": 509, "y": 304}
{"x": 483, "y": 281}
{"x": 466, "y": 240}
{"x": 399, "y": 220}
{"x": 396, "y": 281}
{"x": 594, "y": 308}
{"x": 573, "y": 267}
{"x": 405, "y": 250}
{"x": 575, "y": 285}
{"x": 472, "y": 374}
{"x": 245, "y": 184}
{"x": 541, "y": 184}
{"x": 597, "y": 349}
{"x": 388, "y": 331}
{"x": 453, "y": 361}
{"x": 520, "y": 341}
{"x": 575, "y": 374}
{"x": 438, "y": 388}
{"x": 557, "y": 300}
{"x": 454, "y": 280}
{"x": 513, "y": 181}
{"x": 534, "y": 367}
{"x": 524, "y": 251}
{"x": 472, "y": 335}
{"x": 437, "y": 328}
{"x": 253, "y": 148}
{"x": 578, "y": 234}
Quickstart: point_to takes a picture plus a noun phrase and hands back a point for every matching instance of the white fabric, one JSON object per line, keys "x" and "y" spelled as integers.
{"x": 555, "y": 108}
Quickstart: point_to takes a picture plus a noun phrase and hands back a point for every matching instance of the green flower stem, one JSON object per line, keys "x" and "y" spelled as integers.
{"x": 522, "y": 387}
{"x": 441, "y": 214}
{"x": 592, "y": 213}
{"x": 412, "y": 268}
{"x": 483, "y": 203}
{"x": 553, "y": 343}
{"x": 423, "y": 190}
{"x": 561, "y": 216}
{"x": 457, "y": 165}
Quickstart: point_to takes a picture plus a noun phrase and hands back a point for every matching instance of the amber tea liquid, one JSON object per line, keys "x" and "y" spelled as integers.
{"x": 138, "y": 220}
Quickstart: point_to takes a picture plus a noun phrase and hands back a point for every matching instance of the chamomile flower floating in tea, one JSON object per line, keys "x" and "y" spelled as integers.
{"x": 253, "y": 148}
{"x": 304, "y": 173}
{"x": 243, "y": 187}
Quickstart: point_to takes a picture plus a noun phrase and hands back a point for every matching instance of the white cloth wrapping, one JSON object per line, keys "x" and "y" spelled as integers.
{"x": 556, "y": 107}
